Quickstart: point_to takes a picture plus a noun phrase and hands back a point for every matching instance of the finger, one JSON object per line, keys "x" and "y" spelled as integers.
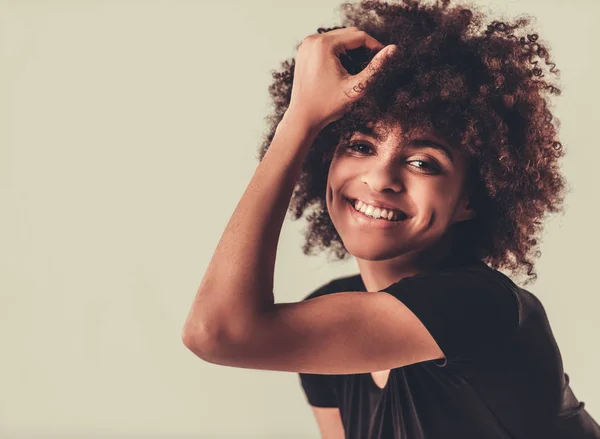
{"x": 377, "y": 61}
{"x": 352, "y": 38}
{"x": 375, "y": 64}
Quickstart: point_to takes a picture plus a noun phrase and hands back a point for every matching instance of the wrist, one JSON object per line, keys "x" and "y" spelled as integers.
{"x": 302, "y": 120}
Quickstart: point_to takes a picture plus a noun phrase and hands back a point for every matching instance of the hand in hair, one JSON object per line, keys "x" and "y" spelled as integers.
{"x": 323, "y": 91}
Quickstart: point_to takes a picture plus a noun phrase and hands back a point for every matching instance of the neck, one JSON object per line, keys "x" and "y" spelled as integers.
{"x": 377, "y": 275}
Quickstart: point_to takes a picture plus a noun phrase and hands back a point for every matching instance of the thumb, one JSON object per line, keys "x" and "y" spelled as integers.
{"x": 375, "y": 64}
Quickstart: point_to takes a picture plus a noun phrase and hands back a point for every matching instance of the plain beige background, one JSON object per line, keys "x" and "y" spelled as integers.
{"x": 128, "y": 133}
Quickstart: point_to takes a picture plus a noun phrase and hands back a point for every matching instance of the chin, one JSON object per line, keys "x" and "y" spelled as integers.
{"x": 374, "y": 252}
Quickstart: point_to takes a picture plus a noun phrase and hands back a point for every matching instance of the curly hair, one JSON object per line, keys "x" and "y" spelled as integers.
{"x": 479, "y": 85}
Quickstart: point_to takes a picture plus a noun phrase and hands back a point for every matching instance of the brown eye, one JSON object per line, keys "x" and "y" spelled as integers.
{"x": 356, "y": 146}
{"x": 427, "y": 167}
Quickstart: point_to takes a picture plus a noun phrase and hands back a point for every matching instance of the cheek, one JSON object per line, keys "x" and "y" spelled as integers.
{"x": 430, "y": 190}
{"x": 340, "y": 170}
{"x": 332, "y": 186}
{"x": 328, "y": 197}
{"x": 337, "y": 176}
{"x": 435, "y": 196}
{"x": 329, "y": 186}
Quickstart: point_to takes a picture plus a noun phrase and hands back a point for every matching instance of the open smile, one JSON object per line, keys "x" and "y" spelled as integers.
{"x": 367, "y": 221}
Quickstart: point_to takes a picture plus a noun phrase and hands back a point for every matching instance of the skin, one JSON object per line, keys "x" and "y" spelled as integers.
{"x": 422, "y": 181}
{"x": 235, "y": 320}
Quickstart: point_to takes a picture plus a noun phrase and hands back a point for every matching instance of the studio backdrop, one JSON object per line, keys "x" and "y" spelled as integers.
{"x": 128, "y": 133}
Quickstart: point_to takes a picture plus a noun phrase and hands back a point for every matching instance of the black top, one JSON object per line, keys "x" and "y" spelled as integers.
{"x": 502, "y": 376}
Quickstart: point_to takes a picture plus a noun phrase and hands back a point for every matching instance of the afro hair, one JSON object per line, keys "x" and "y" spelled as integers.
{"x": 481, "y": 85}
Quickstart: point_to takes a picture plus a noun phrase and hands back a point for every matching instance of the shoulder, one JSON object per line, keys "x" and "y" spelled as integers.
{"x": 464, "y": 307}
{"x": 344, "y": 283}
{"x": 473, "y": 280}
{"x": 475, "y": 277}
{"x": 481, "y": 277}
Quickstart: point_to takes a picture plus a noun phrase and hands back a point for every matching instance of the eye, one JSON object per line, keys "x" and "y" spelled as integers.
{"x": 356, "y": 146}
{"x": 423, "y": 166}
{"x": 427, "y": 167}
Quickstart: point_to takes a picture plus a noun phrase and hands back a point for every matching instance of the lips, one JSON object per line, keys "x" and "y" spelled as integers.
{"x": 401, "y": 214}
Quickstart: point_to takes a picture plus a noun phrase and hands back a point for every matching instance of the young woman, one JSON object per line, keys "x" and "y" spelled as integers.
{"x": 432, "y": 164}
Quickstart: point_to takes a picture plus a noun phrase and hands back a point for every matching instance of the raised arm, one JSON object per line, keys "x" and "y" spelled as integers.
{"x": 237, "y": 288}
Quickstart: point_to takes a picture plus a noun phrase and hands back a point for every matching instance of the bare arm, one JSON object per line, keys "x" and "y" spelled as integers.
{"x": 237, "y": 288}
{"x": 329, "y": 422}
{"x": 234, "y": 320}
{"x": 238, "y": 284}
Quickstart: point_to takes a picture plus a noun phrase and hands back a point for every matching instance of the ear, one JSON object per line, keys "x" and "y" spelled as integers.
{"x": 464, "y": 211}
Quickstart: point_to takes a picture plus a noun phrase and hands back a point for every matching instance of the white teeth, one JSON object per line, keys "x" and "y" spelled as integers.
{"x": 374, "y": 212}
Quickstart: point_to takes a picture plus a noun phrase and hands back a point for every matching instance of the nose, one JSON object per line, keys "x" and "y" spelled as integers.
{"x": 383, "y": 177}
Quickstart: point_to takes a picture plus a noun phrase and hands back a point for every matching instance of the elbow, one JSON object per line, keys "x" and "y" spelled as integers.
{"x": 197, "y": 340}
{"x": 220, "y": 346}
{"x": 205, "y": 344}
{"x": 189, "y": 339}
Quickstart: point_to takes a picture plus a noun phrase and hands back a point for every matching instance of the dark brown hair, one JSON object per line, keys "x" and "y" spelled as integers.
{"x": 482, "y": 86}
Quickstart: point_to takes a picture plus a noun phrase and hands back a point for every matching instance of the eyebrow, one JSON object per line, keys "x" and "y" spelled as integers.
{"x": 415, "y": 143}
{"x": 426, "y": 143}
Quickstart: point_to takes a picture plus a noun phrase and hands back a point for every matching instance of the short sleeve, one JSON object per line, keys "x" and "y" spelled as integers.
{"x": 466, "y": 312}
{"x": 318, "y": 389}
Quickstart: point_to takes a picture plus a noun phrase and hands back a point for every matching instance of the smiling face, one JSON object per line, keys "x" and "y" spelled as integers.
{"x": 418, "y": 173}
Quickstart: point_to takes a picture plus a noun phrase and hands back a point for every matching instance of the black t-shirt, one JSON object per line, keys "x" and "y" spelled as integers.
{"x": 502, "y": 376}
